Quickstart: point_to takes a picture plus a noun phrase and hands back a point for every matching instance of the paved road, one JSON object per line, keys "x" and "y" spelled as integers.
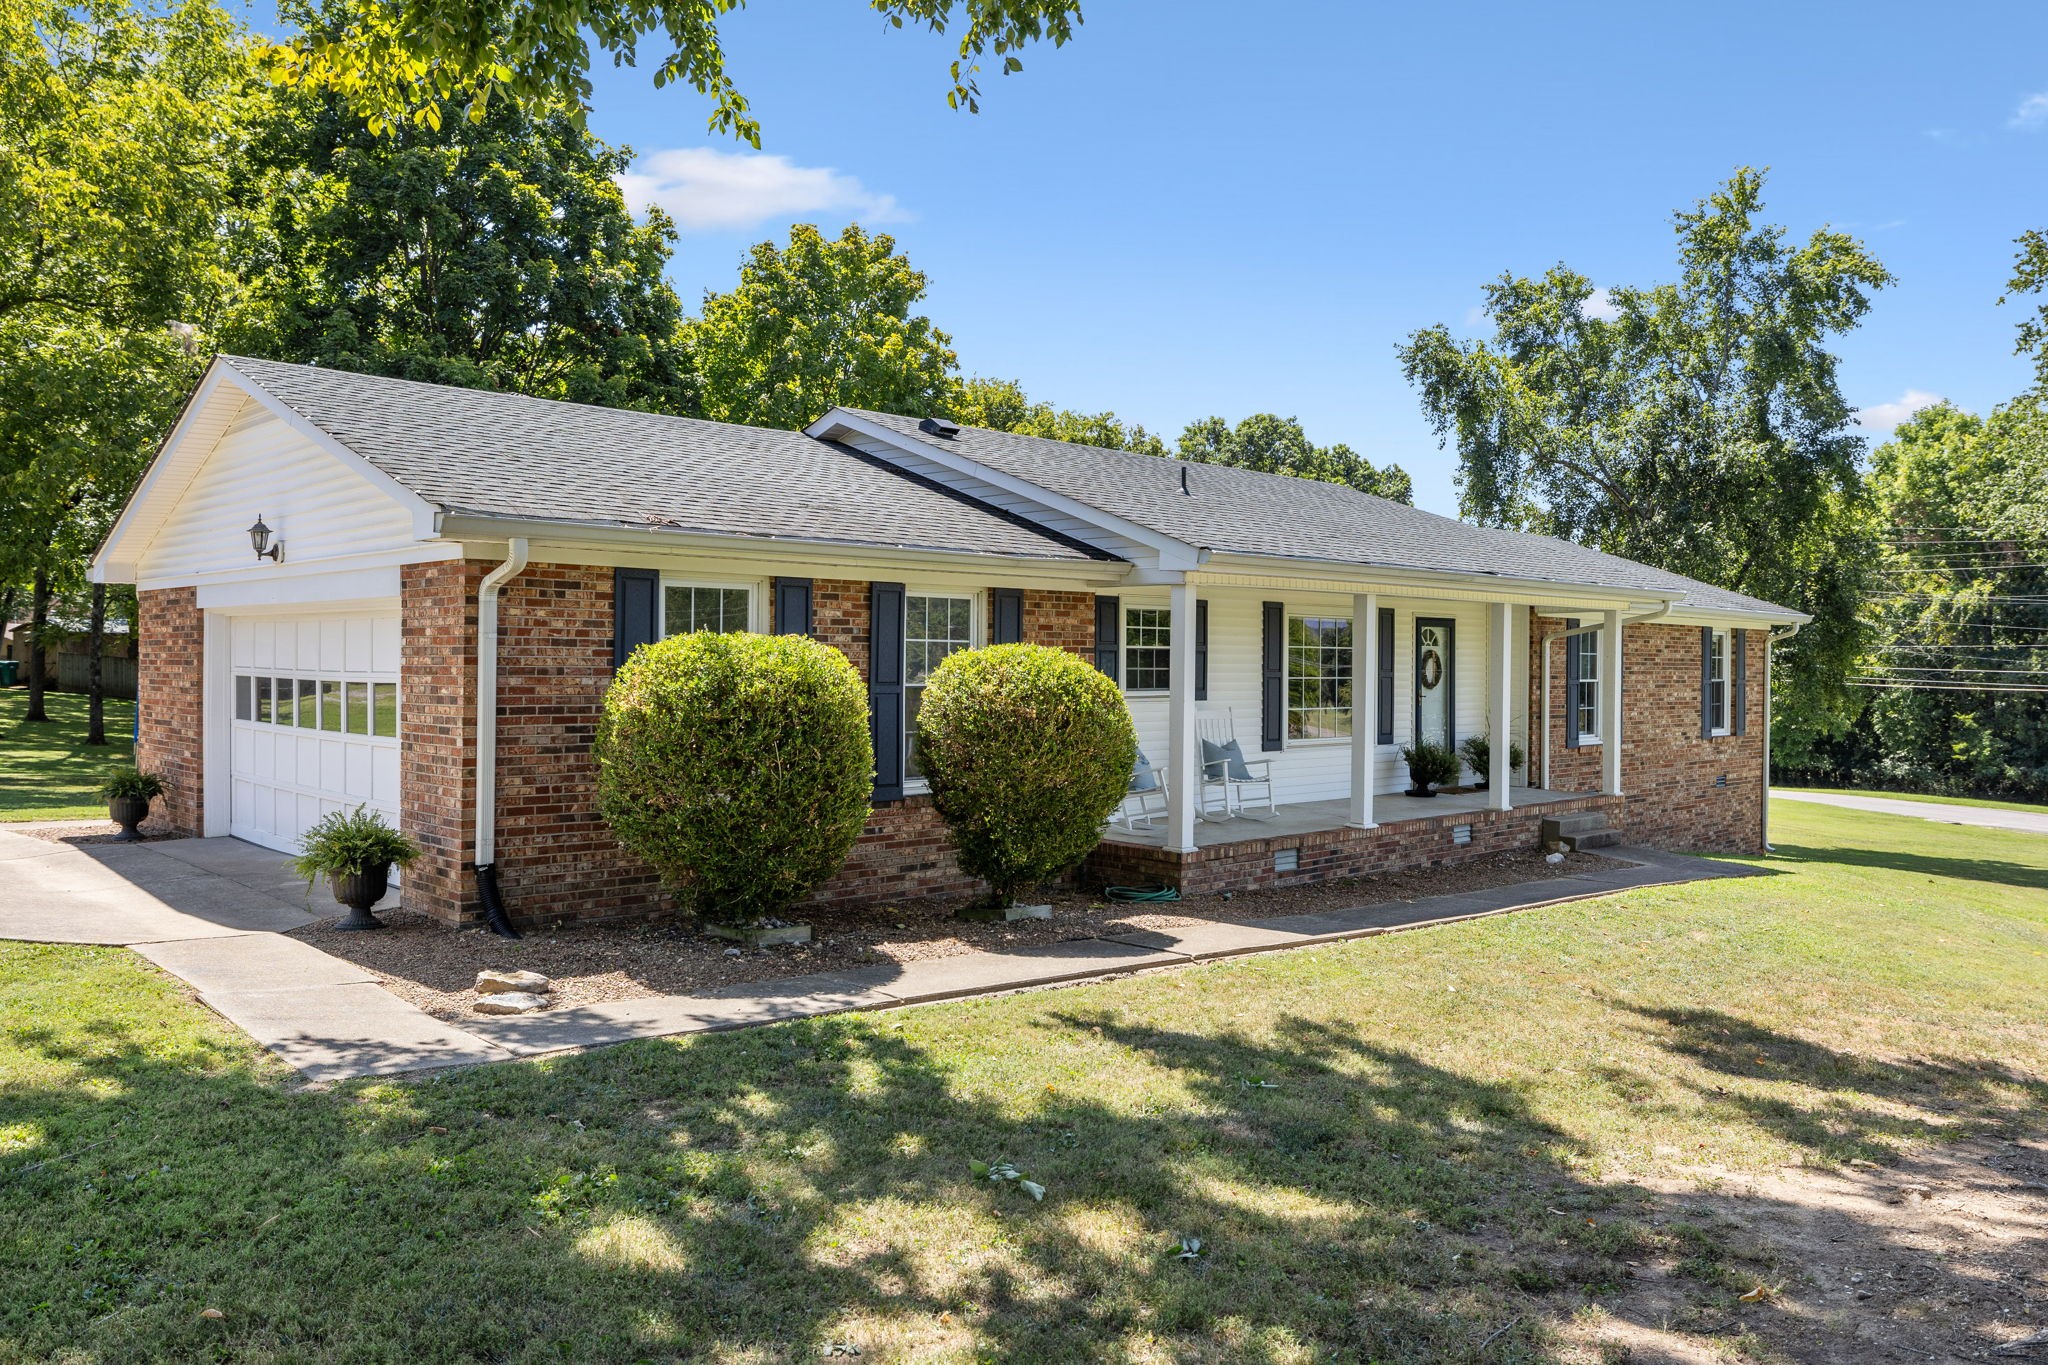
{"x": 1984, "y": 817}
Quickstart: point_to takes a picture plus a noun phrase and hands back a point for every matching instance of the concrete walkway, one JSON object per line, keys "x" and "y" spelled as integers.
{"x": 212, "y": 912}
{"x": 1984, "y": 817}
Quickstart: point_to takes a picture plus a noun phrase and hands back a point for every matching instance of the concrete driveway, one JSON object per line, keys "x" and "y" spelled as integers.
{"x": 1984, "y": 817}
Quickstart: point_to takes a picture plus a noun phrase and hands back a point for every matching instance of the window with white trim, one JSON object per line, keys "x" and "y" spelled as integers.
{"x": 934, "y": 626}
{"x": 1718, "y": 673}
{"x": 716, "y": 607}
{"x": 1318, "y": 677}
{"x": 1586, "y": 698}
{"x": 1148, "y": 649}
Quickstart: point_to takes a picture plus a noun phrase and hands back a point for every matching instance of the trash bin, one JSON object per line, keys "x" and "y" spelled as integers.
{"x": 8, "y": 668}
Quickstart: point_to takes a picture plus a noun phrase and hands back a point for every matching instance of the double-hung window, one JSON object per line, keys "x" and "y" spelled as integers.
{"x": 715, "y": 607}
{"x": 933, "y": 627}
{"x": 1718, "y": 673}
{"x": 1148, "y": 649}
{"x": 1586, "y": 694}
{"x": 1318, "y": 677}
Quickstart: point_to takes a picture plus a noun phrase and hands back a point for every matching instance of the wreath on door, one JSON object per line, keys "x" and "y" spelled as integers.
{"x": 1432, "y": 670}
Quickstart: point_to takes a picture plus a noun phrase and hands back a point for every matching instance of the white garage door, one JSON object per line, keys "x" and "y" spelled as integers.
{"x": 315, "y": 724}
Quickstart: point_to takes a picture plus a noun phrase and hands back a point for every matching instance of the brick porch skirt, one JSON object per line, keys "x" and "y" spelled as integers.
{"x": 1332, "y": 854}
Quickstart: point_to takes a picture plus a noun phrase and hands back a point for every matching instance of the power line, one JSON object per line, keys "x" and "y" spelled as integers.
{"x": 1889, "y": 685}
{"x": 1965, "y": 668}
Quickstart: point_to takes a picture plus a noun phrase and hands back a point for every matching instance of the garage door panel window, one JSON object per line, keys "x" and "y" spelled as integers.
{"x": 336, "y": 705}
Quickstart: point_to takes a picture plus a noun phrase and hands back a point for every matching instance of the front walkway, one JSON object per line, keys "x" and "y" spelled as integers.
{"x": 211, "y": 912}
{"x": 1985, "y": 817}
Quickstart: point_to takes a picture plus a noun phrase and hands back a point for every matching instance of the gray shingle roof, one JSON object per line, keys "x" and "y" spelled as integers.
{"x": 478, "y": 453}
{"x": 1240, "y": 511}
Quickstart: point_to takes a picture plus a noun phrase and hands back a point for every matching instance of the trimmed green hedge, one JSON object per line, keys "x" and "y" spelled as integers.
{"x": 1028, "y": 750}
{"x": 738, "y": 765}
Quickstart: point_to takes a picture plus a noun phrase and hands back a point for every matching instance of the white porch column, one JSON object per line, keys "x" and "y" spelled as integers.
{"x": 1500, "y": 703}
{"x": 1182, "y": 762}
{"x": 1365, "y": 704}
{"x": 1610, "y": 704}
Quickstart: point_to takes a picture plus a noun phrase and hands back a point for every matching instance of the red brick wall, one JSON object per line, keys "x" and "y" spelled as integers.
{"x": 1328, "y": 855}
{"x": 1669, "y": 773}
{"x": 170, "y": 690}
{"x": 437, "y": 784}
{"x": 1063, "y": 620}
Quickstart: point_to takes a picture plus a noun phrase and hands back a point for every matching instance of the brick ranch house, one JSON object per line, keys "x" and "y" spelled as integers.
{"x": 454, "y": 575}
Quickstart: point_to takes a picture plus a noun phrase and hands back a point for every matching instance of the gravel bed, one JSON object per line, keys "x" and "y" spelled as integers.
{"x": 435, "y": 968}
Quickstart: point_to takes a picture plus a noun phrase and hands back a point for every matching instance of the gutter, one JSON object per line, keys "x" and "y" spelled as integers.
{"x": 1656, "y": 614}
{"x": 487, "y": 736}
{"x": 1781, "y": 633}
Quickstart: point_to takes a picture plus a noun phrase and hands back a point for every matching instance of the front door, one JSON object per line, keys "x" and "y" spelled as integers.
{"x": 1435, "y": 661}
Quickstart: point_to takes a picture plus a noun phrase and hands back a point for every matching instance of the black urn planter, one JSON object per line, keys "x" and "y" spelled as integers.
{"x": 1420, "y": 791}
{"x": 359, "y": 889}
{"x": 128, "y": 812}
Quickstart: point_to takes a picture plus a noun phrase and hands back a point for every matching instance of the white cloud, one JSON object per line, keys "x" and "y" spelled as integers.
{"x": 2031, "y": 114}
{"x": 1885, "y": 416}
{"x": 706, "y": 190}
{"x": 1599, "y": 305}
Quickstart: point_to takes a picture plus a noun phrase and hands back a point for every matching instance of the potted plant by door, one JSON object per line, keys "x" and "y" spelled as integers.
{"x": 1478, "y": 754}
{"x": 355, "y": 851}
{"x": 1429, "y": 766}
{"x": 128, "y": 792}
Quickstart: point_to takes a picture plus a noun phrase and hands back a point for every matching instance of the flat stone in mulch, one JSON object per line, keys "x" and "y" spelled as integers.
{"x": 435, "y": 968}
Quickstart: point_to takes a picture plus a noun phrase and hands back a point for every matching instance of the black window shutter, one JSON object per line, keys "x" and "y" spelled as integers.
{"x": 1109, "y": 624}
{"x": 885, "y": 687}
{"x": 1706, "y": 680}
{"x": 1009, "y": 617}
{"x": 1273, "y": 677}
{"x": 1386, "y": 678}
{"x": 636, "y": 611}
{"x": 792, "y": 606}
{"x": 1201, "y": 651}
{"x": 1739, "y": 722}
{"x": 1571, "y": 685}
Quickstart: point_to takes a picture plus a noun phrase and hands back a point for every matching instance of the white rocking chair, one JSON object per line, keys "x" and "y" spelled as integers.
{"x": 1144, "y": 803}
{"x": 1241, "y": 782}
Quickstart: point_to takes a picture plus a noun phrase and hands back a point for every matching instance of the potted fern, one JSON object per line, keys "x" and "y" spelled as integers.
{"x": 1430, "y": 766}
{"x": 355, "y": 850}
{"x": 1478, "y": 754}
{"x": 128, "y": 792}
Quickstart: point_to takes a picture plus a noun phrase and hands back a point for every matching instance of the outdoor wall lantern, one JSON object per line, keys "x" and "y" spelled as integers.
{"x": 259, "y": 536}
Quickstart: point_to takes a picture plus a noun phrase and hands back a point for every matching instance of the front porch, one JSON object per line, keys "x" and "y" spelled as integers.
{"x": 1313, "y": 841}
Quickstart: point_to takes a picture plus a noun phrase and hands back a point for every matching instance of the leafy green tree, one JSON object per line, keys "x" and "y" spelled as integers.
{"x": 1959, "y": 673}
{"x": 120, "y": 126}
{"x": 2030, "y": 276}
{"x": 1002, "y": 405}
{"x": 1278, "y": 445}
{"x": 1700, "y": 428}
{"x": 404, "y": 60}
{"x": 816, "y": 324}
{"x": 498, "y": 254}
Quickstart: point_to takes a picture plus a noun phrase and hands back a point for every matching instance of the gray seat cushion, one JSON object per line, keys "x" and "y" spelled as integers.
{"x": 1144, "y": 778}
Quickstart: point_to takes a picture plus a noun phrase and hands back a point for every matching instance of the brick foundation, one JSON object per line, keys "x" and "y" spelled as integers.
{"x": 170, "y": 676}
{"x": 1329, "y": 855}
{"x": 1681, "y": 790}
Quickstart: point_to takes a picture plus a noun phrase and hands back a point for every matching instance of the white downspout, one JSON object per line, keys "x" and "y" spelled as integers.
{"x": 487, "y": 701}
{"x": 1781, "y": 633}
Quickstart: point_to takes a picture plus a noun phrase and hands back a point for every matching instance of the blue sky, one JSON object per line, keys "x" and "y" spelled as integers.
{"x": 1202, "y": 208}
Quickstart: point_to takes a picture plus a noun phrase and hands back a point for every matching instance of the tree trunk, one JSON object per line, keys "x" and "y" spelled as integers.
{"x": 95, "y": 700}
{"x": 39, "y": 616}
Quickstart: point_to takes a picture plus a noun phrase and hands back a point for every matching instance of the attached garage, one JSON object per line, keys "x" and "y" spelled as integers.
{"x": 314, "y": 722}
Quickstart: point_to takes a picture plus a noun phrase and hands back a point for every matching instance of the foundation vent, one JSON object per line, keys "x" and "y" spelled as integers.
{"x": 1721, "y": 781}
{"x": 1461, "y": 834}
{"x": 1287, "y": 860}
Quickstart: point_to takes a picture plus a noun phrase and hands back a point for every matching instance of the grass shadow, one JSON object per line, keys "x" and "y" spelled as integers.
{"x": 1998, "y": 871}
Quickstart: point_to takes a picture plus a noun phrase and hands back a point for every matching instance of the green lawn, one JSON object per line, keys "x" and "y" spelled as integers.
{"x": 47, "y": 771}
{"x": 1435, "y": 1146}
{"x": 1916, "y": 796}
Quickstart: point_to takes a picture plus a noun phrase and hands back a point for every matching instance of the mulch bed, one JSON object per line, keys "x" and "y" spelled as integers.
{"x": 435, "y": 967}
{"x": 81, "y": 832}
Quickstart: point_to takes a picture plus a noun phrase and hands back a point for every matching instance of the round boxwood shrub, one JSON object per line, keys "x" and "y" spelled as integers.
{"x": 739, "y": 766}
{"x": 1027, "y": 750}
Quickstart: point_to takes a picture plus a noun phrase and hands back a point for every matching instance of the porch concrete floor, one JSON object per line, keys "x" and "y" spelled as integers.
{"x": 1309, "y": 817}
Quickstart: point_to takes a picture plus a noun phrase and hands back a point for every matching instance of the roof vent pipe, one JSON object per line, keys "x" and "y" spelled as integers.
{"x": 1184, "y": 482}
{"x": 938, "y": 426}
{"x": 487, "y": 737}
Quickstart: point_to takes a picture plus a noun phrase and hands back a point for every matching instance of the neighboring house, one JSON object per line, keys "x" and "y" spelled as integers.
{"x": 462, "y": 572}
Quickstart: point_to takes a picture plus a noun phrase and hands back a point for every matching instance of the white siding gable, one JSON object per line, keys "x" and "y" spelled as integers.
{"x": 320, "y": 507}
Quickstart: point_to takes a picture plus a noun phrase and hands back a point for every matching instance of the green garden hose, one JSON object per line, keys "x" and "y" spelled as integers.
{"x": 1142, "y": 893}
